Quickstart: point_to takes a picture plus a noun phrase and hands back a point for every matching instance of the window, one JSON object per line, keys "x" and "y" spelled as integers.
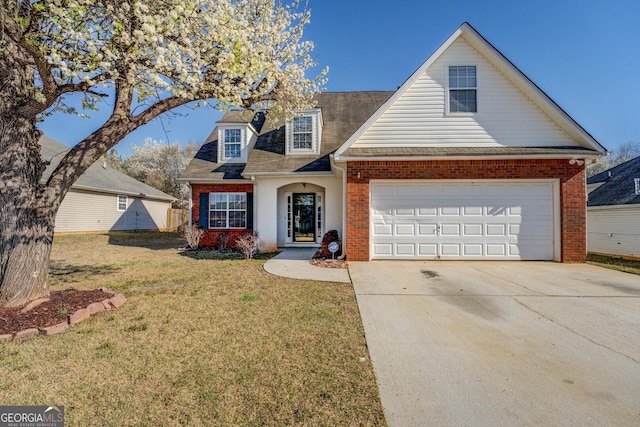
{"x": 637, "y": 182}
{"x": 462, "y": 89}
{"x": 122, "y": 203}
{"x": 228, "y": 210}
{"x": 232, "y": 143}
{"x": 303, "y": 133}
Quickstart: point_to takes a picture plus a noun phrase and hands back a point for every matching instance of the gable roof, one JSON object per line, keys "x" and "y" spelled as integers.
{"x": 618, "y": 186}
{"x": 342, "y": 113}
{"x": 586, "y": 145}
{"x": 98, "y": 178}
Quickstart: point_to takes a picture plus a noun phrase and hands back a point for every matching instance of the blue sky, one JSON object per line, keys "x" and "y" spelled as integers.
{"x": 584, "y": 54}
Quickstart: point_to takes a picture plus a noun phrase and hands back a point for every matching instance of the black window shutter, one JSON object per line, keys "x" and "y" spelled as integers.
{"x": 204, "y": 210}
{"x": 249, "y": 210}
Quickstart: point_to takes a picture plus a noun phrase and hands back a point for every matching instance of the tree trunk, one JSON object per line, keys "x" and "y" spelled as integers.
{"x": 26, "y": 228}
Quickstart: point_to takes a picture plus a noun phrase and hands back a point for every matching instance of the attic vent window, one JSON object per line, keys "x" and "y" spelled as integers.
{"x": 463, "y": 87}
{"x": 637, "y": 181}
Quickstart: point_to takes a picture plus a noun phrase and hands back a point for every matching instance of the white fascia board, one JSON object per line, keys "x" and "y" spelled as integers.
{"x": 462, "y": 157}
{"x": 635, "y": 206}
{"x": 122, "y": 193}
{"x": 287, "y": 174}
{"x": 407, "y": 84}
{"x": 214, "y": 181}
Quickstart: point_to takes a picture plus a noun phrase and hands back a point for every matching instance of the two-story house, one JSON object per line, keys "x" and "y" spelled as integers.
{"x": 468, "y": 159}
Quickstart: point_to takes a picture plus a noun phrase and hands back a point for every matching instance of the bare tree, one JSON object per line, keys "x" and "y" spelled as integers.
{"x": 625, "y": 152}
{"x": 159, "y": 165}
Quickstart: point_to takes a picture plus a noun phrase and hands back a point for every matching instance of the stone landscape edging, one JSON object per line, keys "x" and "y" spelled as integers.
{"x": 76, "y": 317}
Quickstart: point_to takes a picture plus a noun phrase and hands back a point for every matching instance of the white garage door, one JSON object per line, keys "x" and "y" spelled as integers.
{"x": 454, "y": 220}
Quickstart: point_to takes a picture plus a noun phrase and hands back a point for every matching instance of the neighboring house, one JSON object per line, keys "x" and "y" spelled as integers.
{"x": 468, "y": 159}
{"x": 613, "y": 213}
{"x": 103, "y": 199}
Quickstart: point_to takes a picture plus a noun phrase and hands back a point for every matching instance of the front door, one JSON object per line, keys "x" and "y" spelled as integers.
{"x": 304, "y": 208}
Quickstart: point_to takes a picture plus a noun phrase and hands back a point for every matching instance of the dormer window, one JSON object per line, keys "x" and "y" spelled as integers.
{"x": 463, "y": 86}
{"x": 235, "y": 140}
{"x": 304, "y": 133}
{"x": 232, "y": 143}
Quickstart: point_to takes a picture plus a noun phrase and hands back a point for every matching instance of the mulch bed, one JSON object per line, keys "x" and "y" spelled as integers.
{"x": 329, "y": 263}
{"x": 49, "y": 313}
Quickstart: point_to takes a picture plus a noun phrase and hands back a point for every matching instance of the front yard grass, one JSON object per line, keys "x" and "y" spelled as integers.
{"x": 198, "y": 343}
{"x": 615, "y": 263}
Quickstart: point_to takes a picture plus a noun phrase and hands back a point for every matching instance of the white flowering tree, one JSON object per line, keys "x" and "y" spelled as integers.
{"x": 145, "y": 58}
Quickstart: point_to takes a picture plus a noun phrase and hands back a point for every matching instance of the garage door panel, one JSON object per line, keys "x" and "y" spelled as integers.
{"x": 382, "y": 229}
{"x": 450, "y": 210}
{"x": 428, "y": 211}
{"x": 462, "y": 221}
{"x": 429, "y": 250}
{"x": 473, "y": 229}
{"x": 496, "y": 229}
{"x": 496, "y": 211}
{"x": 472, "y": 210}
{"x": 427, "y": 229}
{"x": 450, "y": 249}
{"x": 405, "y": 249}
{"x": 496, "y": 250}
{"x": 405, "y": 230}
{"x": 450, "y": 229}
{"x": 473, "y": 250}
{"x": 382, "y": 249}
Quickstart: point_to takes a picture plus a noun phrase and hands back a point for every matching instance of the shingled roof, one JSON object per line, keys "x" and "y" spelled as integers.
{"x": 342, "y": 113}
{"x": 618, "y": 186}
{"x": 97, "y": 177}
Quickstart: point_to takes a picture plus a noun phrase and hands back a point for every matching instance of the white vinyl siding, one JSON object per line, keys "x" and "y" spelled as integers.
{"x": 84, "y": 211}
{"x": 614, "y": 230}
{"x": 462, "y": 220}
{"x": 419, "y": 118}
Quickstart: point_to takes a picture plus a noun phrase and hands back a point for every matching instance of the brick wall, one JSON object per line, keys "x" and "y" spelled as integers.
{"x": 573, "y": 214}
{"x": 210, "y": 237}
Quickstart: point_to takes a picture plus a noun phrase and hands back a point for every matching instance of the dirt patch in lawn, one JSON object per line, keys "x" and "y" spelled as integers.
{"x": 49, "y": 313}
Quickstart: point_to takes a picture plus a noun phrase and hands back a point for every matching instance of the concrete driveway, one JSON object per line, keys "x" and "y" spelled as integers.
{"x": 502, "y": 343}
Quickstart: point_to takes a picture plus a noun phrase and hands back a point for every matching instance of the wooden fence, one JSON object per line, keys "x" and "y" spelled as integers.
{"x": 176, "y": 218}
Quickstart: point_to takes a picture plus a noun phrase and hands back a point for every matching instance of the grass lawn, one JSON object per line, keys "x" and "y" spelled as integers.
{"x": 615, "y": 263}
{"x": 199, "y": 342}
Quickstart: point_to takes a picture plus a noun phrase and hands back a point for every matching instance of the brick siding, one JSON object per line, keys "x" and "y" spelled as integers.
{"x": 211, "y": 236}
{"x": 573, "y": 213}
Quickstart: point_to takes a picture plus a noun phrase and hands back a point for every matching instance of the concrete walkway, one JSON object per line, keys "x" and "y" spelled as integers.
{"x": 294, "y": 263}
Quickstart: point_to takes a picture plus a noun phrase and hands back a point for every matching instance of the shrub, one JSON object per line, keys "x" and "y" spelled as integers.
{"x": 248, "y": 244}
{"x": 222, "y": 241}
{"x": 323, "y": 251}
{"x": 192, "y": 234}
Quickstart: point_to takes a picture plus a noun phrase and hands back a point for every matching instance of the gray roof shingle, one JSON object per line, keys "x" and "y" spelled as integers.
{"x": 619, "y": 188}
{"x": 342, "y": 113}
{"x": 96, "y": 177}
